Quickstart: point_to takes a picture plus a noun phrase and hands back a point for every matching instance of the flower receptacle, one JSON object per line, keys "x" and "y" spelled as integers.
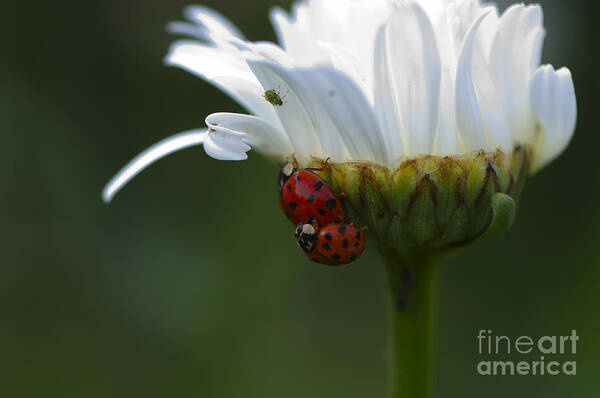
{"x": 431, "y": 203}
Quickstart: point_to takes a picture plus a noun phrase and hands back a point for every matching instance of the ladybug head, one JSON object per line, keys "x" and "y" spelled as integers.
{"x": 285, "y": 173}
{"x": 306, "y": 236}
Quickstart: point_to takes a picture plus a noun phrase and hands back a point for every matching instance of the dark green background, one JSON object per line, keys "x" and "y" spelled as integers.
{"x": 190, "y": 284}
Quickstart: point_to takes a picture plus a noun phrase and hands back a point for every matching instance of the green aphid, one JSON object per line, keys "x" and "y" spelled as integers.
{"x": 273, "y": 97}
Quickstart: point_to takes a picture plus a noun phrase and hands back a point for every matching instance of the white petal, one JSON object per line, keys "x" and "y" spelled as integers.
{"x": 351, "y": 113}
{"x": 346, "y": 61}
{"x": 292, "y": 114}
{"x": 362, "y": 22}
{"x": 297, "y": 34}
{"x": 386, "y": 103}
{"x": 514, "y": 57}
{"x": 446, "y": 138}
{"x": 336, "y": 105}
{"x": 258, "y": 133}
{"x": 449, "y": 40}
{"x": 282, "y": 25}
{"x": 227, "y": 70}
{"x": 224, "y": 144}
{"x": 303, "y": 86}
{"x": 468, "y": 114}
{"x": 415, "y": 62}
{"x": 188, "y": 29}
{"x": 149, "y": 156}
{"x": 271, "y": 52}
{"x": 554, "y": 105}
{"x": 215, "y": 24}
{"x": 208, "y": 61}
{"x": 492, "y": 111}
{"x": 488, "y": 30}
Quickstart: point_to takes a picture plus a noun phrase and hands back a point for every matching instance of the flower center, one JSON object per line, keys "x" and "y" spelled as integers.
{"x": 427, "y": 202}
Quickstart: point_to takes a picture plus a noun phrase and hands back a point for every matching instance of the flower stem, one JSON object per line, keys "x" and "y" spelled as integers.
{"x": 412, "y": 304}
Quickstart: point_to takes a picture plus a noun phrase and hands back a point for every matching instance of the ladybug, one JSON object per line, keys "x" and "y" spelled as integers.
{"x": 305, "y": 198}
{"x": 334, "y": 244}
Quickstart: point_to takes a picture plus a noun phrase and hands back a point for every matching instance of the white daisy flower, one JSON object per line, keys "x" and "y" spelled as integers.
{"x": 425, "y": 116}
{"x": 375, "y": 81}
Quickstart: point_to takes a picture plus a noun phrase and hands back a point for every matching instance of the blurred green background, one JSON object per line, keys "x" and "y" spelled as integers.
{"x": 171, "y": 292}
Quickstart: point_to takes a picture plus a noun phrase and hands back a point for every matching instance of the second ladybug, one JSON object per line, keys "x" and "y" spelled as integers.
{"x": 305, "y": 198}
{"x": 334, "y": 244}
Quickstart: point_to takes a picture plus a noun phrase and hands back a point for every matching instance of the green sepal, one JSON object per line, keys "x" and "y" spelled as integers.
{"x": 504, "y": 210}
{"x": 430, "y": 204}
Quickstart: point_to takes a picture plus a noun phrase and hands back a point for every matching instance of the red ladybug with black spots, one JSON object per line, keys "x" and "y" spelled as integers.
{"x": 305, "y": 198}
{"x": 334, "y": 244}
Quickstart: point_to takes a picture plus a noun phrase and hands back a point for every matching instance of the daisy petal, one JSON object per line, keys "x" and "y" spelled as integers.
{"x": 339, "y": 111}
{"x": 553, "y": 102}
{"x": 386, "y": 103}
{"x": 215, "y": 24}
{"x": 514, "y": 57}
{"x": 468, "y": 114}
{"x": 257, "y": 133}
{"x": 492, "y": 111}
{"x": 188, "y": 29}
{"x": 415, "y": 62}
{"x": 446, "y": 138}
{"x": 223, "y": 143}
{"x": 281, "y": 24}
{"x": 293, "y": 113}
{"x": 155, "y": 152}
{"x": 347, "y": 62}
{"x": 303, "y": 85}
{"x": 227, "y": 70}
{"x": 351, "y": 114}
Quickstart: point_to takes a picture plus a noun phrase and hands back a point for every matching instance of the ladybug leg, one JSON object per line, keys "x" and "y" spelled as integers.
{"x": 365, "y": 228}
{"x": 320, "y": 168}
{"x": 313, "y": 169}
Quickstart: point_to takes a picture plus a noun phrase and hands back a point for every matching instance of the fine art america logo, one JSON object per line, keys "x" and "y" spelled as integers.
{"x": 505, "y": 356}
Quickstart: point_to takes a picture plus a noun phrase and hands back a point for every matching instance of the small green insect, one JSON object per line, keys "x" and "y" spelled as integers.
{"x": 274, "y": 97}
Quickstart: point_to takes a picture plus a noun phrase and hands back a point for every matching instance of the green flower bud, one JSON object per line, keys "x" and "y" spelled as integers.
{"x": 431, "y": 204}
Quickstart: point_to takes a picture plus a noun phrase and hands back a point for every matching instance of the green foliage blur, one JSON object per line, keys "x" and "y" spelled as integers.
{"x": 189, "y": 283}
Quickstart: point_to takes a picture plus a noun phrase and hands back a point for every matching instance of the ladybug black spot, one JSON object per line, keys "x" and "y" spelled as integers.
{"x": 322, "y": 212}
{"x": 326, "y": 246}
{"x": 293, "y": 205}
{"x": 358, "y": 235}
{"x": 297, "y": 178}
{"x": 345, "y": 243}
{"x": 311, "y": 199}
{"x": 342, "y": 230}
{"x": 336, "y": 256}
{"x": 331, "y": 203}
{"x": 357, "y": 245}
{"x": 328, "y": 236}
{"x": 353, "y": 256}
{"x": 289, "y": 187}
{"x": 318, "y": 186}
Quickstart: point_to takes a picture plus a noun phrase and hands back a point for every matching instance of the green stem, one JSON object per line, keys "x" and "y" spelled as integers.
{"x": 412, "y": 304}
